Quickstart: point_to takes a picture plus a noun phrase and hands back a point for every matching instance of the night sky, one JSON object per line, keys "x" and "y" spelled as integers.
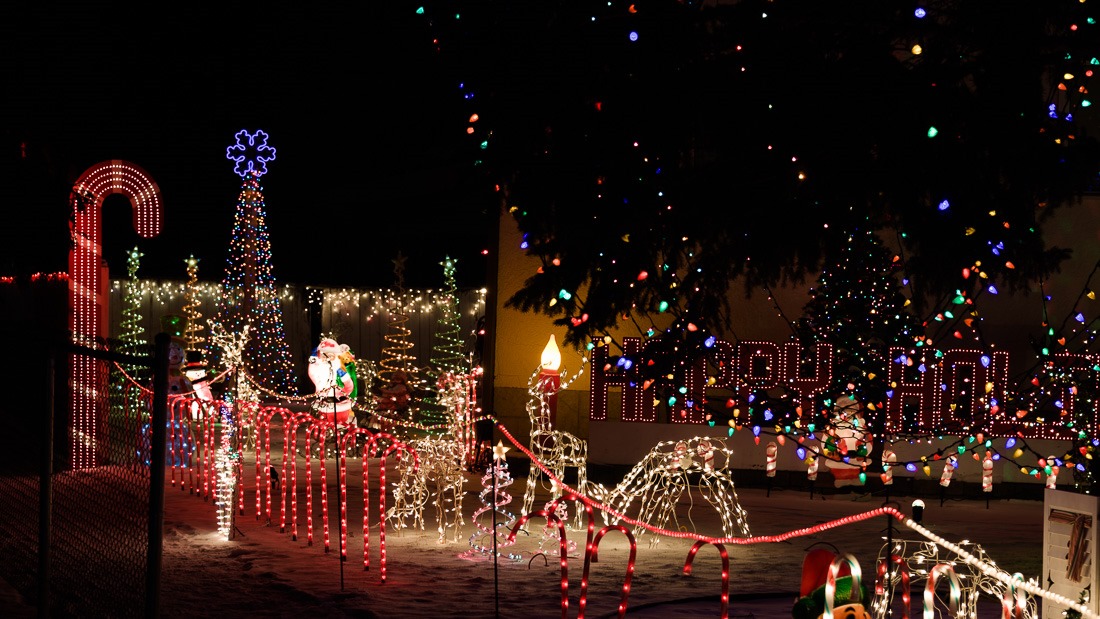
{"x": 366, "y": 122}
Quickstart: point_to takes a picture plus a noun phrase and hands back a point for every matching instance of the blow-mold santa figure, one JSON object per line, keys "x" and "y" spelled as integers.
{"x": 332, "y": 370}
{"x": 847, "y": 456}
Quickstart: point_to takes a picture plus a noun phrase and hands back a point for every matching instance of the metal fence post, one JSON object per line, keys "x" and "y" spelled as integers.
{"x": 157, "y": 448}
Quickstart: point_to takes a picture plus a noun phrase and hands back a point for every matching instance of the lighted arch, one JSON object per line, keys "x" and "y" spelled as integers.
{"x": 88, "y": 300}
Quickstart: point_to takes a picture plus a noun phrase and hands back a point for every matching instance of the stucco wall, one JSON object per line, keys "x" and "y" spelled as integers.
{"x": 1009, "y": 323}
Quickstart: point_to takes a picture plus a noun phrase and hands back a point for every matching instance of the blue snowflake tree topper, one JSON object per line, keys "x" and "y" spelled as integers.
{"x": 251, "y": 153}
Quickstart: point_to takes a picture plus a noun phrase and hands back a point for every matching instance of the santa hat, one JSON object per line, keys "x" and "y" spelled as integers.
{"x": 329, "y": 346}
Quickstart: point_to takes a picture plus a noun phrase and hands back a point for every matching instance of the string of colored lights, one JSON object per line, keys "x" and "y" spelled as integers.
{"x": 249, "y": 294}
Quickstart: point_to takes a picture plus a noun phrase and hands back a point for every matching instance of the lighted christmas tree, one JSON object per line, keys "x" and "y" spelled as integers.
{"x": 132, "y": 341}
{"x": 395, "y": 354}
{"x": 447, "y": 351}
{"x": 190, "y": 306}
{"x": 249, "y": 295}
{"x": 858, "y": 307}
{"x": 493, "y": 529}
{"x": 132, "y": 334}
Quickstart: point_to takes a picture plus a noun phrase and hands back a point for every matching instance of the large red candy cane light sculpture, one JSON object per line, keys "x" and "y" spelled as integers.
{"x": 88, "y": 300}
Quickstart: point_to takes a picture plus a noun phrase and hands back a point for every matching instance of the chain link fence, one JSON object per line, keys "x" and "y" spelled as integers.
{"x": 82, "y": 482}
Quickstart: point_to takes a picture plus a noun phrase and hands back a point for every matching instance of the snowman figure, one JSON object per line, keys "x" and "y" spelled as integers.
{"x": 195, "y": 373}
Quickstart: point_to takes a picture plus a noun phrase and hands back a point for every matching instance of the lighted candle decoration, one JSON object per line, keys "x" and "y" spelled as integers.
{"x": 1052, "y": 471}
{"x": 554, "y": 449}
{"x": 811, "y": 467}
{"x": 550, "y": 378}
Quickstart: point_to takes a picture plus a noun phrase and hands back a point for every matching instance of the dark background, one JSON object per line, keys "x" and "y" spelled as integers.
{"x": 369, "y": 129}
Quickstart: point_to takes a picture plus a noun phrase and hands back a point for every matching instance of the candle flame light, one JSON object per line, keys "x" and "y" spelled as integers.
{"x": 551, "y": 356}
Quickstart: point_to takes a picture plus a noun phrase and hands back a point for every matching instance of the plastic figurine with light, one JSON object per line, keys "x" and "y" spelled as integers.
{"x": 332, "y": 370}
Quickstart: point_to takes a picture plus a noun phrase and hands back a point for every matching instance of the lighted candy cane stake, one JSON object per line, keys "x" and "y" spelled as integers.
{"x": 987, "y": 472}
{"x": 948, "y": 470}
{"x": 930, "y": 591}
{"x": 945, "y": 478}
{"x": 771, "y": 451}
{"x": 724, "y": 554}
{"x": 591, "y": 553}
{"x": 830, "y": 582}
{"x": 88, "y": 301}
{"x": 1013, "y": 600}
{"x": 889, "y": 458}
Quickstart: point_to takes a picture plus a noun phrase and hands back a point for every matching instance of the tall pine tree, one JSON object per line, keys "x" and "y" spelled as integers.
{"x": 249, "y": 295}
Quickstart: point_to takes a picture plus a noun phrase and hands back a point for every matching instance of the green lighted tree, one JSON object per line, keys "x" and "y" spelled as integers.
{"x": 859, "y": 307}
{"x": 132, "y": 341}
{"x": 447, "y": 354}
{"x": 132, "y": 335}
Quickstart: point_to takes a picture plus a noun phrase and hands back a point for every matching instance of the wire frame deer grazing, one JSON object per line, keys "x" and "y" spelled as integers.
{"x": 650, "y": 491}
{"x": 443, "y": 461}
{"x": 555, "y": 449}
